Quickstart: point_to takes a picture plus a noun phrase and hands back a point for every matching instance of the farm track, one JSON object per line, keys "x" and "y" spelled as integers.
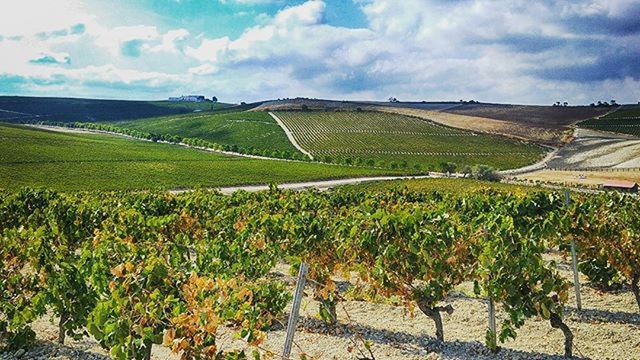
{"x": 320, "y": 185}
{"x": 290, "y": 136}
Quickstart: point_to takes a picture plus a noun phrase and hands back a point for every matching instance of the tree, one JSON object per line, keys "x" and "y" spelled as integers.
{"x": 467, "y": 171}
{"x": 484, "y": 172}
{"x": 448, "y": 167}
{"x": 214, "y": 99}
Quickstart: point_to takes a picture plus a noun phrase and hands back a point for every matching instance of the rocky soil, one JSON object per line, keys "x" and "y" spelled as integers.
{"x": 608, "y": 327}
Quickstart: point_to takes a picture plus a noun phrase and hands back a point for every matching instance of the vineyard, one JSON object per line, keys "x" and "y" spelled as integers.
{"x": 246, "y": 132}
{"x": 383, "y": 139}
{"x": 71, "y": 161}
{"x": 140, "y": 270}
{"x": 625, "y": 121}
{"x": 23, "y": 108}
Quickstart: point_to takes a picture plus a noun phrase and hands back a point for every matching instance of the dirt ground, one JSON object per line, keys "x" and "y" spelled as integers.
{"x": 585, "y": 177}
{"x": 608, "y": 327}
{"x": 559, "y": 116}
{"x": 598, "y": 149}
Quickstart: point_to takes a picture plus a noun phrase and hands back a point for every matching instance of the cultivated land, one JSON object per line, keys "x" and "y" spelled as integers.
{"x": 625, "y": 120}
{"x": 452, "y": 185}
{"x": 20, "y": 109}
{"x": 606, "y": 329}
{"x": 541, "y": 124}
{"x": 244, "y": 129}
{"x": 65, "y": 161}
{"x": 544, "y": 116}
{"x": 390, "y": 138}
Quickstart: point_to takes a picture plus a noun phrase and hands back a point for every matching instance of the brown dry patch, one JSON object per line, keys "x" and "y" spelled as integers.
{"x": 522, "y": 131}
{"x": 544, "y": 116}
{"x": 584, "y": 177}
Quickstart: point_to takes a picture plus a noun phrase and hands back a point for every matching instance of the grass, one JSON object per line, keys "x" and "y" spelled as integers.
{"x": 245, "y": 129}
{"x": 19, "y": 109}
{"x": 443, "y": 184}
{"x": 71, "y": 162}
{"x": 387, "y": 138}
{"x": 625, "y": 121}
{"x": 202, "y": 106}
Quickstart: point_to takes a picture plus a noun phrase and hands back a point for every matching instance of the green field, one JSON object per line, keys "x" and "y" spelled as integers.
{"x": 625, "y": 121}
{"x": 21, "y": 109}
{"x": 245, "y": 129}
{"x": 450, "y": 185}
{"x": 390, "y": 138}
{"x": 67, "y": 161}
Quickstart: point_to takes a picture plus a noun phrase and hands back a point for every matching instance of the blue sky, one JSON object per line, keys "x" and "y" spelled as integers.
{"x": 244, "y": 50}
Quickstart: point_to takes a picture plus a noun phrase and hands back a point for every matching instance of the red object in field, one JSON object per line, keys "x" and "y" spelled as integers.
{"x": 627, "y": 186}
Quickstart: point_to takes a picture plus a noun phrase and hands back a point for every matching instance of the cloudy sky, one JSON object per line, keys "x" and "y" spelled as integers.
{"x": 245, "y": 50}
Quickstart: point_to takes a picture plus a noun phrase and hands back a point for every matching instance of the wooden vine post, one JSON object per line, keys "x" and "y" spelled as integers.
{"x": 574, "y": 262}
{"x": 295, "y": 309}
{"x": 492, "y": 335}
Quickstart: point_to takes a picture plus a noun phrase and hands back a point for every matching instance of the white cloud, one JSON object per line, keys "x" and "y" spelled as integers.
{"x": 204, "y": 69}
{"x": 412, "y": 49}
{"x": 209, "y": 49}
{"x": 28, "y": 17}
{"x": 171, "y": 42}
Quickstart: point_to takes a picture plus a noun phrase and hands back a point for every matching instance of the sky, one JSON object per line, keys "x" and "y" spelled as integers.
{"x": 528, "y": 52}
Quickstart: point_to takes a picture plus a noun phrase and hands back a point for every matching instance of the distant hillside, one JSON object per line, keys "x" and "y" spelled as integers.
{"x": 548, "y": 125}
{"x": 20, "y": 109}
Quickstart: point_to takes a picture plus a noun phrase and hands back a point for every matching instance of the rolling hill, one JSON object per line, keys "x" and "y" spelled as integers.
{"x": 547, "y": 125}
{"x": 625, "y": 120}
{"x": 385, "y": 139}
{"x": 22, "y": 109}
{"x": 248, "y": 131}
{"x": 71, "y": 161}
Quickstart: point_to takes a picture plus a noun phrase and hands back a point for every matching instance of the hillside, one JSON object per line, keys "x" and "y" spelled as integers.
{"x": 386, "y": 139}
{"x": 624, "y": 120}
{"x": 72, "y": 161}
{"x": 546, "y": 125}
{"x": 21, "y": 109}
{"x": 245, "y": 130}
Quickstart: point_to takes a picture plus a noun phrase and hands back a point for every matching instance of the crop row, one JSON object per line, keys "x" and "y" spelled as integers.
{"x": 137, "y": 269}
{"x": 401, "y": 139}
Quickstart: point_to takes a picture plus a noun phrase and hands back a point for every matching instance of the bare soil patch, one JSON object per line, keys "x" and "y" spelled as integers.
{"x": 544, "y": 116}
{"x": 608, "y": 327}
{"x": 582, "y": 177}
{"x": 593, "y": 149}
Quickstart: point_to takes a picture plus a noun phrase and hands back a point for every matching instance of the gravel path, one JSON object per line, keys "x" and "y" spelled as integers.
{"x": 320, "y": 185}
{"x": 290, "y": 136}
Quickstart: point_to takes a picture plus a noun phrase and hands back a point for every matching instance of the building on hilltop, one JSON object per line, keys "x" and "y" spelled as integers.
{"x": 188, "y": 98}
{"x": 623, "y": 186}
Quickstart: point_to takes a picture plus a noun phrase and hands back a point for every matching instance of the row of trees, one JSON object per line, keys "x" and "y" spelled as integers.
{"x": 482, "y": 172}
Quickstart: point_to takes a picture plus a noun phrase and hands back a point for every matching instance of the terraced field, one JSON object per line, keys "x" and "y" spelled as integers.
{"x": 626, "y": 120}
{"x": 385, "y": 138}
{"x": 68, "y": 161}
{"x": 246, "y": 130}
